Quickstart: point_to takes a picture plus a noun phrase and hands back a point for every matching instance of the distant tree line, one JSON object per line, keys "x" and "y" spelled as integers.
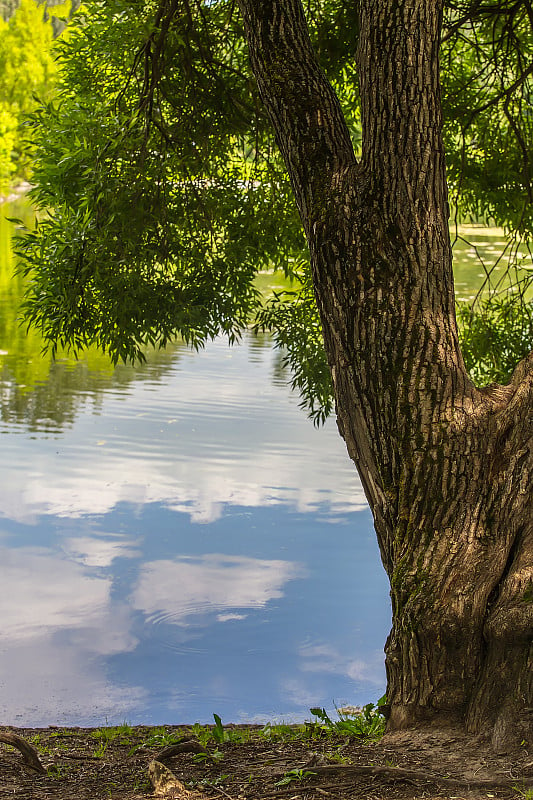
{"x": 8, "y": 7}
{"x": 27, "y": 73}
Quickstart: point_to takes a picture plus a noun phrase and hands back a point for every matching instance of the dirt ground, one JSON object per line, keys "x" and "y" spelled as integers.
{"x": 89, "y": 764}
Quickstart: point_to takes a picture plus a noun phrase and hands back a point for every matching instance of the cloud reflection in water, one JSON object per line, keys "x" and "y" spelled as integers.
{"x": 118, "y": 603}
{"x": 177, "y": 591}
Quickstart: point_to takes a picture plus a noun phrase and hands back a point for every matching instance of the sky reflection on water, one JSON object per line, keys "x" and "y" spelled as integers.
{"x": 185, "y": 543}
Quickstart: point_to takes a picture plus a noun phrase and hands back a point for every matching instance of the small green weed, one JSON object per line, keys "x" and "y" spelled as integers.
{"x": 112, "y": 732}
{"x": 57, "y": 771}
{"x": 142, "y": 786}
{"x": 524, "y": 792}
{"x": 200, "y": 758}
{"x": 338, "y": 757}
{"x": 109, "y": 734}
{"x": 221, "y": 734}
{"x": 160, "y": 738}
{"x": 47, "y": 749}
{"x": 100, "y": 750}
{"x": 368, "y": 724}
{"x": 202, "y": 733}
{"x": 44, "y": 749}
{"x": 294, "y": 775}
{"x": 283, "y": 732}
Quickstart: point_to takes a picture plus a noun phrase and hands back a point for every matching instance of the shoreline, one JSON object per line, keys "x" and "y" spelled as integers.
{"x": 241, "y": 763}
{"x": 15, "y": 192}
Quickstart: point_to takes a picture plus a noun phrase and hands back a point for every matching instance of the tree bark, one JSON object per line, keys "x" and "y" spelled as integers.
{"x": 447, "y": 468}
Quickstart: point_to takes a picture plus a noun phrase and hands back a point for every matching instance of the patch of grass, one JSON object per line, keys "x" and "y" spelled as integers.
{"x": 36, "y": 741}
{"x": 112, "y": 733}
{"x": 283, "y": 732}
{"x": 368, "y": 723}
{"x": 205, "y": 735}
{"x": 57, "y": 771}
{"x": 337, "y": 757}
{"x": 160, "y": 738}
{"x": 219, "y": 734}
{"x": 524, "y": 792}
{"x": 47, "y": 749}
{"x": 207, "y": 782}
{"x": 215, "y": 756}
{"x": 202, "y": 733}
{"x": 294, "y": 775}
{"x": 143, "y": 786}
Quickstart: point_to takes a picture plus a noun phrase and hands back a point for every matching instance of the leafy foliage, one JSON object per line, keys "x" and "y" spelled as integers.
{"x": 163, "y": 207}
{"x": 27, "y": 71}
{"x": 294, "y": 317}
{"x": 161, "y": 192}
{"x": 368, "y": 723}
{"x": 488, "y": 124}
{"x": 488, "y": 111}
{"x": 8, "y": 127}
{"x": 496, "y": 333}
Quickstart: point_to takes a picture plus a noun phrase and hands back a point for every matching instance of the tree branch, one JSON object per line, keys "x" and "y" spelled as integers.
{"x": 504, "y": 93}
{"x": 310, "y": 128}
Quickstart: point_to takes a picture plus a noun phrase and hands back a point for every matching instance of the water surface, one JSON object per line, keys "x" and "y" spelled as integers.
{"x": 177, "y": 540}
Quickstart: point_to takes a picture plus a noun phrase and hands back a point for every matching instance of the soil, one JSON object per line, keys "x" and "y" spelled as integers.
{"x": 89, "y": 764}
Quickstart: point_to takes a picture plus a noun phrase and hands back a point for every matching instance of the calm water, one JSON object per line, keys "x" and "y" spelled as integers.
{"x": 176, "y": 540}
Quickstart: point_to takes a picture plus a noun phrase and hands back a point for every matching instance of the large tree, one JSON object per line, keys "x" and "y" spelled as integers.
{"x": 168, "y": 198}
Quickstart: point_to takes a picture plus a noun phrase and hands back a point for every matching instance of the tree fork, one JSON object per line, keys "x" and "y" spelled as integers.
{"x": 447, "y": 468}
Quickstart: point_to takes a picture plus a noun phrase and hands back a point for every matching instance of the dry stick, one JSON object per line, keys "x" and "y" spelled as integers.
{"x": 81, "y": 757}
{"x": 307, "y": 788}
{"x": 398, "y": 773}
{"x": 222, "y": 791}
{"x": 29, "y": 753}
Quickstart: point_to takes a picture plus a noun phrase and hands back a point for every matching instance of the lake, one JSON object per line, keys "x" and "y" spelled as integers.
{"x": 178, "y": 539}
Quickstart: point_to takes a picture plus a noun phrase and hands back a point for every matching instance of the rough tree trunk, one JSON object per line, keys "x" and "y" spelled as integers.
{"x": 447, "y": 468}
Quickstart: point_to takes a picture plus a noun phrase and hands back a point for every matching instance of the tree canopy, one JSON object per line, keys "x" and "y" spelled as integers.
{"x": 169, "y": 194}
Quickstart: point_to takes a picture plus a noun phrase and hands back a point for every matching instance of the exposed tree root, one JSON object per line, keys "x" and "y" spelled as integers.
{"x": 188, "y": 745}
{"x": 398, "y": 773}
{"x": 30, "y": 756}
